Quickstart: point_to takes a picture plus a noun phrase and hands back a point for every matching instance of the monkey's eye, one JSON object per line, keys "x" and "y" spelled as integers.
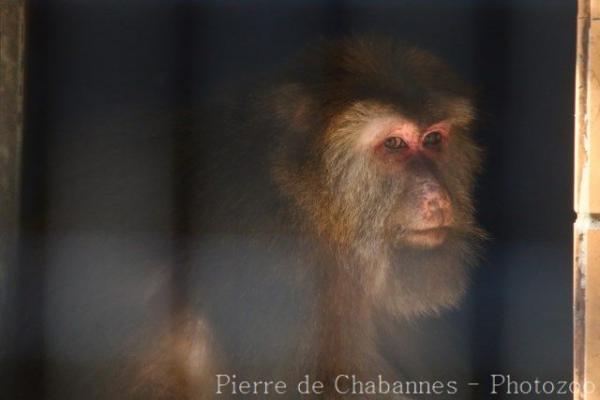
{"x": 432, "y": 139}
{"x": 394, "y": 143}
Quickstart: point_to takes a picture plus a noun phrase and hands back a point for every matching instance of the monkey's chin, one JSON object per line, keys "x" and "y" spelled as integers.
{"x": 425, "y": 238}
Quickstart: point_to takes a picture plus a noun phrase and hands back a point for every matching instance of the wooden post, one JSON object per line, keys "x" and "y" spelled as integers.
{"x": 12, "y": 43}
{"x": 587, "y": 204}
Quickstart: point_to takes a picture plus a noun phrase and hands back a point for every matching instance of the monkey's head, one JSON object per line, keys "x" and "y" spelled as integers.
{"x": 375, "y": 152}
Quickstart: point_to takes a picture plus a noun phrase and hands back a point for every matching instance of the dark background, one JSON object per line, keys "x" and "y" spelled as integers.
{"x": 100, "y": 168}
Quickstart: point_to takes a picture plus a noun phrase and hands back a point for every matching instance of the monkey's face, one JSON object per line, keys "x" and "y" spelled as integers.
{"x": 374, "y": 153}
{"x": 399, "y": 181}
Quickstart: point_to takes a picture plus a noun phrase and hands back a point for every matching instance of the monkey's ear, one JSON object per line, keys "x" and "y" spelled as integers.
{"x": 292, "y": 106}
{"x": 292, "y": 111}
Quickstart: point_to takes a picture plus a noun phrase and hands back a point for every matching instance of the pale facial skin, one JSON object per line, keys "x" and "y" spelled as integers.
{"x": 395, "y": 141}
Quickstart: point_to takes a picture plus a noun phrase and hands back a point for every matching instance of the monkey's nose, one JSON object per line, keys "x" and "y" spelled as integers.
{"x": 436, "y": 207}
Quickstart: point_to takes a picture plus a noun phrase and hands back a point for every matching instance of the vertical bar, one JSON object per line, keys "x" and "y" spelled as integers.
{"x": 12, "y": 43}
{"x": 586, "y": 289}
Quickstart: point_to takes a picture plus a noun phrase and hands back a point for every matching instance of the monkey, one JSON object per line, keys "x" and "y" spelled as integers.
{"x": 331, "y": 203}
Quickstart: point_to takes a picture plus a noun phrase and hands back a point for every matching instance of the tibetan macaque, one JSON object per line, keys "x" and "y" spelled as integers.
{"x": 333, "y": 203}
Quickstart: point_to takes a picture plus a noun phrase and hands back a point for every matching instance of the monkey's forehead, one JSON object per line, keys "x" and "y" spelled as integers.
{"x": 452, "y": 112}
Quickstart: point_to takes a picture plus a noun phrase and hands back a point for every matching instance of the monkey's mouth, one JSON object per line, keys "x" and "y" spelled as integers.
{"x": 430, "y": 237}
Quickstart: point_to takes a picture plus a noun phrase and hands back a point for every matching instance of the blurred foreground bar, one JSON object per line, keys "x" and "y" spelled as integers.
{"x": 587, "y": 203}
{"x": 12, "y": 35}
